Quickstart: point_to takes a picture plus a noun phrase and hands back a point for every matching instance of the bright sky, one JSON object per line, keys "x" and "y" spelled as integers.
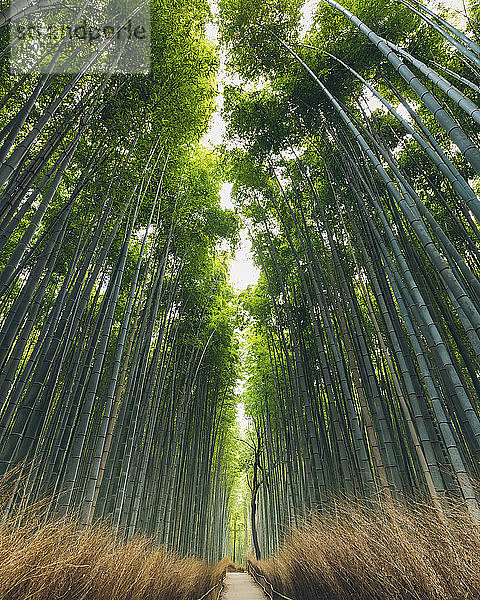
{"x": 242, "y": 270}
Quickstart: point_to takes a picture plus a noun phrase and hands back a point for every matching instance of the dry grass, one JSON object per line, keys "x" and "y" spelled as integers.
{"x": 401, "y": 553}
{"x": 234, "y": 568}
{"x": 58, "y": 560}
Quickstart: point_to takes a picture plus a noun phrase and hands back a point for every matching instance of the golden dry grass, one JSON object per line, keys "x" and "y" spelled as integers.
{"x": 53, "y": 560}
{"x": 234, "y": 568}
{"x": 398, "y": 553}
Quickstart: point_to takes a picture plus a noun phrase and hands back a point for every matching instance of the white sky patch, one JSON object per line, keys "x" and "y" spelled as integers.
{"x": 225, "y": 195}
{"x": 211, "y": 31}
{"x": 243, "y": 421}
{"x": 242, "y": 270}
{"x": 455, "y": 4}
{"x": 214, "y": 135}
{"x": 310, "y": 6}
{"x": 308, "y": 10}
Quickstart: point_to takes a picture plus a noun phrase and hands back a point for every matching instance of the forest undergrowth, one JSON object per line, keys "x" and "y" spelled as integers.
{"x": 397, "y": 552}
{"x": 356, "y": 551}
{"x": 49, "y": 559}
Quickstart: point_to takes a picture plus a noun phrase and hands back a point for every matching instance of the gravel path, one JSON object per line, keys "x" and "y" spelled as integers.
{"x": 240, "y": 586}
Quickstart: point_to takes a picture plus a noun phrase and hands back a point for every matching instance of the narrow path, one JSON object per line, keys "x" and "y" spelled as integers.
{"x": 240, "y": 586}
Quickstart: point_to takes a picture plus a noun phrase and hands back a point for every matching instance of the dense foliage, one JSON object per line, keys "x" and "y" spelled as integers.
{"x": 354, "y": 148}
{"x": 353, "y": 145}
{"x": 118, "y": 354}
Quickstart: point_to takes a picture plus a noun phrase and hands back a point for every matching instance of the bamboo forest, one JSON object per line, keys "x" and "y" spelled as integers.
{"x": 240, "y": 300}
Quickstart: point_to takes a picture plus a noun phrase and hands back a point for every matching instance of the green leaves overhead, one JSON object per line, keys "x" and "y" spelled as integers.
{"x": 248, "y": 29}
{"x": 364, "y": 350}
{"x": 118, "y": 355}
